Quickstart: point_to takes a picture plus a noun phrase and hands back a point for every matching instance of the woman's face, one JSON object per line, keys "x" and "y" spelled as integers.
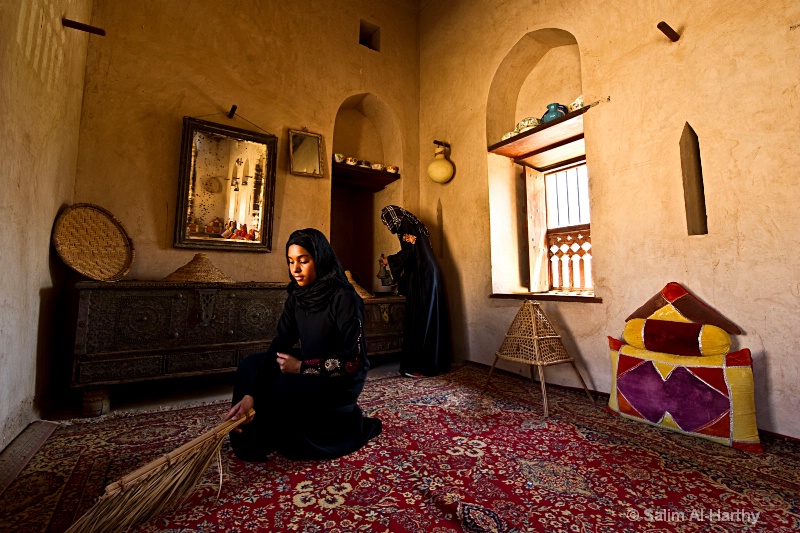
{"x": 301, "y": 265}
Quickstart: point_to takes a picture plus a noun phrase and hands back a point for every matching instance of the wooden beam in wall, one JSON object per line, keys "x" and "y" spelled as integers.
{"x": 75, "y": 25}
{"x": 693, "y": 190}
{"x": 667, "y": 30}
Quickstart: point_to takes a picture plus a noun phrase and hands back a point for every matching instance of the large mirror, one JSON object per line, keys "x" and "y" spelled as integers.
{"x": 226, "y": 194}
{"x": 305, "y": 153}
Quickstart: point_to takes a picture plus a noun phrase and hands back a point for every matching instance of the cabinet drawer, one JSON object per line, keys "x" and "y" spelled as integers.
{"x": 252, "y": 315}
{"x": 190, "y": 362}
{"x": 383, "y": 318}
{"x": 378, "y": 344}
{"x": 250, "y": 350}
{"x": 112, "y": 321}
{"x": 117, "y": 370}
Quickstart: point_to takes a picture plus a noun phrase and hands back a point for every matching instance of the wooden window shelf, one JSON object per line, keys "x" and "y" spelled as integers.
{"x": 549, "y": 296}
{"x": 548, "y": 146}
{"x": 361, "y": 178}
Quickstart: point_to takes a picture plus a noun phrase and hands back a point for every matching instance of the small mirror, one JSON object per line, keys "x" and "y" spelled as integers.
{"x": 226, "y": 194}
{"x": 305, "y": 153}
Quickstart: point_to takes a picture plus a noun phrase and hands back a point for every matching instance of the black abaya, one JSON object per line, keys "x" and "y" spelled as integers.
{"x": 313, "y": 414}
{"x": 426, "y": 330}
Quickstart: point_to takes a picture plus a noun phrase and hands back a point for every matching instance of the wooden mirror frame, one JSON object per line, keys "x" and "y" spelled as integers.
{"x": 192, "y": 230}
{"x": 311, "y": 156}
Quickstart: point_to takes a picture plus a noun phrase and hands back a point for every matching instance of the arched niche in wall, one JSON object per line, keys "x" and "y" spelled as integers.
{"x": 541, "y": 68}
{"x": 365, "y": 129}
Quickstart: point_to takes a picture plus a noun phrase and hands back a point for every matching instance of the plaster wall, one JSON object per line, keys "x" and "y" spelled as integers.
{"x": 555, "y": 78}
{"x": 285, "y": 65}
{"x": 733, "y": 80}
{"x": 40, "y": 109}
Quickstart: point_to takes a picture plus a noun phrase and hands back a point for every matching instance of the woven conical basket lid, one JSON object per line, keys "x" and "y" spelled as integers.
{"x": 199, "y": 269}
{"x": 532, "y": 338}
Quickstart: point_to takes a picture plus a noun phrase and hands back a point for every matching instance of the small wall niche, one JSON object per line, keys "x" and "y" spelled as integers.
{"x": 369, "y": 35}
{"x": 693, "y": 191}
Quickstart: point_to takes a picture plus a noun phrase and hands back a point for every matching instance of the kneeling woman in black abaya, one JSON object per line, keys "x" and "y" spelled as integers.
{"x": 305, "y": 400}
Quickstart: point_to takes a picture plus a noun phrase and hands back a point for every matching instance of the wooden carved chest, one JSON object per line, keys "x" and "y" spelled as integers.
{"x": 132, "y": 331}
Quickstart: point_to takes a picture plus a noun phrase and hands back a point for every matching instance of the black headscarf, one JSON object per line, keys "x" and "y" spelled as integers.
{"x": 330, "y": 273}
{"x": 392, "y": 215}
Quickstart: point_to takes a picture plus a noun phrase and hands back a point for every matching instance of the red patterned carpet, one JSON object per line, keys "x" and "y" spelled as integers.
{"x": 449, "y": 460}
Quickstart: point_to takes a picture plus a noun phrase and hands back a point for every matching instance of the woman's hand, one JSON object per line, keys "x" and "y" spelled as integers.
{"x": 384, "y": 261}
{"x": 288, "y": 364}
{"x": 409, "y": 238}
{"x": 241, "y": 409}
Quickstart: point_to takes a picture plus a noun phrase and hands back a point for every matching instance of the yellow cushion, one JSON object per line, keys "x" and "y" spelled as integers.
{"x": 709, "y": 397}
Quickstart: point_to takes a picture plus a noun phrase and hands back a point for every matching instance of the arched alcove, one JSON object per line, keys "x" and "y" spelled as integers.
{"x": 541, "y": 68}
{"x": 514, "y": 77}
{"x": 366, "y": 129}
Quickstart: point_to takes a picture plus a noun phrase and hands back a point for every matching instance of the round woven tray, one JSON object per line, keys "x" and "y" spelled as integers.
{"x": 92, "y": 242}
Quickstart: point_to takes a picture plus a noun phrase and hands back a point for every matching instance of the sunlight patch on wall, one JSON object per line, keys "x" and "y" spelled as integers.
{"x": 40, "y": 35}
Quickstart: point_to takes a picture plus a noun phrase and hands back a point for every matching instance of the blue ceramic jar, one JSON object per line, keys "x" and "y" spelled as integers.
{"x": 553, "y": 112}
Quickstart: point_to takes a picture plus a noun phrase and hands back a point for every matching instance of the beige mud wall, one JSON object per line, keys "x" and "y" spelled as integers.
{"x": 733, "y": 76}
{"x": 41, "y": 86}
{"x": 284, "y": 64}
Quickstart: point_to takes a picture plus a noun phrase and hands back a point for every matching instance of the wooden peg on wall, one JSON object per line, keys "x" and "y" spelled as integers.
{"x": 668, "y": 31}
{"x": 67, "y": 23}
{"x": 694, "y": 195}
{"x": 232, "y": 111}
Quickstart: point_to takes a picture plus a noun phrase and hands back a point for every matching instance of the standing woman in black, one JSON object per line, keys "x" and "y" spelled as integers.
{"x": 305, "y": 399}
{"x": 426, "y": 330}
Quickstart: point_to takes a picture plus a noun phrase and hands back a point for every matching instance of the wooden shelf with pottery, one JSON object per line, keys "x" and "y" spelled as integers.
{"x": 548, "y": 145}
{"x": 362, "y": 177}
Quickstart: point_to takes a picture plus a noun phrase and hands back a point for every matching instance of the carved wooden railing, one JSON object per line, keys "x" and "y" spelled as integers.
{"x": 570, "y": 255}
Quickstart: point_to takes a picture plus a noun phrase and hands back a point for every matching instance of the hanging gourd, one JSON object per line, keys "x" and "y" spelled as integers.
{"x": 440, "y": 170}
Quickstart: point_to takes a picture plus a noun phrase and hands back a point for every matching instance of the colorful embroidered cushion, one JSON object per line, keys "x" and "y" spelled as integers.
{"x": 709, "y": 397}
{"x": 680, "y": 338}
{"x": 677, "y": 304}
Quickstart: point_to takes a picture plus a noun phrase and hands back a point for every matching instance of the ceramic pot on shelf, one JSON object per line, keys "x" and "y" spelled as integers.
{"x": 553, "y": 112}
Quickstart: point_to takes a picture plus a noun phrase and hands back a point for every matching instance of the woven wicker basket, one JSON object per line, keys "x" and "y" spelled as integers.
{"x": 531, "y": 339}
{"x": 92, "y": 242}
{"x": 199, "y": 269}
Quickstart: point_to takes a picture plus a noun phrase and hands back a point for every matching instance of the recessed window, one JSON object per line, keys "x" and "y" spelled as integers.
{"x": 369, "y": 35}
{"x": 568, "y": 235}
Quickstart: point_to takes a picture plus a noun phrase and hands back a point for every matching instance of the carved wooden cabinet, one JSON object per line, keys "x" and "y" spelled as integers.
{"x": 132, "y": 331}
{"x": 138, "y": 331}
{"x": 383, "y": 324}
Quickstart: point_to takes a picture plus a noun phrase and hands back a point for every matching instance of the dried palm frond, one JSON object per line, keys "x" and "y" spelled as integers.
{"x": 156, "y": 487}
